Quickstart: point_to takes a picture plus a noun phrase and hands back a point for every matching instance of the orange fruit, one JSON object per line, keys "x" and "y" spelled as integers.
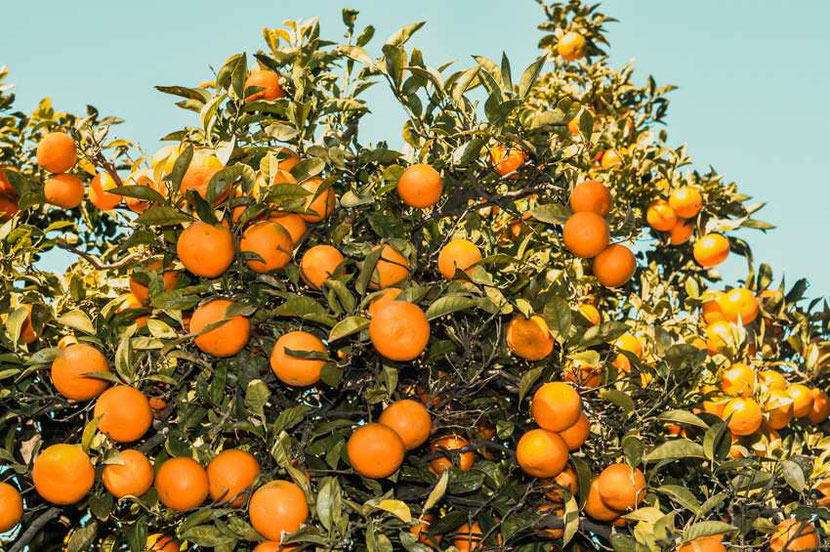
{"x": 99, "y": 193}
{"x": 591, "y": 196}
{"x": 320, "y": 203}
{"x": 770, "y": 379}
{"x": 319, "y": 264}
{"x": 611, "y": 159}
{"x": 164, "y": 159}
{"x": 161, "y": 543}
{"x": 621, "y": 488}
{"x": 577, "y": 434}
{"x": 595, "y": 507}
{"x": 614, "y": 266}
{"x": 392, "y": 268}
{"x": 375, "y": 450}
{"x": 739, "y": 303}
{"x": 277, "y": 507}
{"x": 711, "y": 543}
{"x": 448, "y": 444}
{"x": 583, "y": 373}
{"x": 744, "y": 416}
{"x": 231, "y": 475}
{"x": 386, "y": 296}
{"x": 571, "y": 46}
{"x": 268, "y": 82}
{"x": 586, "y": 234}
{"x": 11, "y": 507}
{"x": 794, "y": 536}
{"x": 294, "y": 370}
{"x": 27, "y": 330}
{"x": 542, "y": 453}
{"x": 410, "y": 420}
{"x": 506, "y": 160}
{"x": 420, "y": 530}
{"x": 63, "y": 474}
{"x": 203, "y": 166}
{"x": 717, "y": 335}
{"x": 293, "y": 224}
{"x": 399, "y": 331}
{"x": 181, "y": 484}
{"x": 56, "y": 152}
{"x": 225, "y": 340}
{"x": 130, "y": 474}
{"x": 738, "y": 380}
{"x": 590, "y": 313}
{"x": 711, "y": 250}
{"x": 6, "y": 187}
{"x": 205, "y": 250}
{"x": 64, "y": 190}
{"x": 141, "y": 292}
{"x": 457, "y": 254}
{"x": 556, "y": 406}
{"x": 660, "y": 216}
{"x": 467, "y": 538}
{"x": 420, "y": 186}
{"x": 8, "y": 209}
{"x": 686, "y": 201}
{"x": 681, "y": 232}
{"x": 529, "y": 338}
{"x": 271, "y": 242}
{"x": 630, "y": 343}
{"x": 555, "y": 488}
{"x": 779, "y": 409}
{"x": 123, "y": 413}
{"x": 711, "y": 309}
{"x": 141, "y": 177}
{"x": 287, "y": 159}
{"x": 802, "y": 397}
{"x": 274, "y": 546}
{"x": 820, "y": 409}
{"x": 70, "y": 365}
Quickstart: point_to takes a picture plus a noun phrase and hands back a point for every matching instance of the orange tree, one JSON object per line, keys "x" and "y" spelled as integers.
{"x": 510, "y": 336}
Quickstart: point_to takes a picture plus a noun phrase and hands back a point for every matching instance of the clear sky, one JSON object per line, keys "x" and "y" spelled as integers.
{"x": 753, "y": 96}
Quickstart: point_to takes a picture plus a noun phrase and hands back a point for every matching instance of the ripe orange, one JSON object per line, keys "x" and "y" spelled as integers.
{"x": 386, "y": 296}
{"x": 123, "y": 413}
{"x": 392, "y": 268}
{"x": 56, "y": 152}
{"x": 621, "y": 488}
{"x": 6, "y": 187}
{"x": 27, "y": 330}
{"x": 457, "y": 254}
{"x": 231, "y": 475}
{"x": 225, "y": 340}
{"x": 141, "y": 177}
{"x": 627, "y": 342}
{"x": 802, "y": 397}
{"x": 571, "y": 46}
{"x": 611, "y": 159}
{"x": 271, "y": 242}
{"x": 556, "y": 406}
{"x": 70, "y": 365}
{"x": 577, "y": 434}
{"x": 590, "y": 313}
{"x": 161, "y": 543}
{"x": 779, "y": 409}
{"x": 410, "y": 420}
{"x": 448, "y": 444}
{"x": 770, "y": 379}
{"x": 718, "y": 335}
{"x": 64, "y": 190}
{"x": 181, "y": 484}
{"x": 169, "y": 277}
{"x": 555, "y": 488}
{"x": 205, "y": 250}
{"x": 660, "y": 216}
{"x": 99, "y": 193}
{"x": 529, "y": 338}
{"x": 586, "y": 234}
{"x": 293, "y": 224}
{"x": 294, "y": 370}
{"x": 277, "y": 507}
{"x": 468, "y": 538}
{"x": 11, "y": 507}
{"x": 506, "y": 160}
{"x": 542, "y": 453}
{"x": 681, "y": 232}
{"x": 820, "y": 409}
{"x": 131, "y": 476}
{"x": 375, "y": 450}
{"x": 711, "y": 543}
{"x": 399, "y": 331}
{"x": 615, "y": 266}
{"x": 739, "y": 303}
{"x": 794, "y": 536}
{"x": 274, "y": 546}
{"x": 420, "y": 530}
{"x": 320, "y": 203}
{"x": 583, "y": 373}
{"x": 420, "y": 186}
{"x": 744, "y": 416}
{"x": 686, "y": 201}
{"x": 738, "y": 380}
{"x": 591, "y": 196}
{"x": 595, "y": 507}
{"x": 268, "y": 81}
{"x": 8, "y": 209}
{"x": 63, "y": 474}
{"x": 711, "y": 250}
{"x": 319, "y": 264}
{"x": 711, "y": 309}
{"x": 203, "y": 166}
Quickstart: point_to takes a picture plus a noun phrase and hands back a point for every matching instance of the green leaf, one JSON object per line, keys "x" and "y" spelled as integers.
{"x": 307, "y": 168}
{"x": 552, "y": 213}
{"x": 707, "y": 528}
{"x": 437, "y": 491}
{"x": 682, "y": 496}
{"x": 676, "y": 449}
{"x": 403, "y": 34}
{"x": 793, "y": 475}
{"x": 348, "y": 326}
{"x": 716, "y": 441}
{"x": 140, "y": 192}
{"x": 530, "y": 75}
{"x": 528, "y": 380}
{"x": 468, "y": 152}
{"x": 618, "y": 398}
{"x": 558, "y": 316}
{"x": 77, "y": 320}
{"x": 82, "y": 538}
{"x": 397, "y": 508}
{"x": 683, "y": 417}
{"x": 449, "y": 304}
{"x": 14, "y": 324}
{"x": 257, "y": 395}
{"x": 162, "y": 215}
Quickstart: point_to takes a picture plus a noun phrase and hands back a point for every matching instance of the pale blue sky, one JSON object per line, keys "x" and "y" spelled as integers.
{"x": 752, "y": 102}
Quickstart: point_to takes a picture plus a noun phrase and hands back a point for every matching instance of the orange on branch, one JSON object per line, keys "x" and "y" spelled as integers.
{"x": 420, "y": 186}
{"x": 410, "y": 420}
{"x": 614, "y": 266}
{"x": 686, "y": 201}
{"x": 158, "y": 542}
{"x": 63, "y": 474}
{"x": 743, "y": 416}
{"x": 621, "y": 487}
{"x": 141, "y": 292}
{"x": 320, "y": 202}
{"x": 399, "y": 331}
{"x": 11, "y": 507}
{"x": 123, "y": 413}
{"x": 64, "y": 190}
{"x": 739, "y": 303}
{"x": 591, "y": 196}
{"x": 203, "y": 166}
{"x": 457, "y": 254}
{"x": 506, "y": 160}
{"x": 318, "y": 264}
{"x": 795, "y": 536}
{"x": 128, "y": 473}
{"x": 542, "y": 453}
{"x": 556, "y": 406}
{"x": 278, "y": 507}
{"x": 711, "y": 250}
{"x": 802, "y": 397}
{"x": 375, "y": 451}
{"x": 99, "y": 193}
{"x": 68, "y": 371}
{"x": 269, "y": 83}
{"x": 296, "y": 370}
{"x": 660, "y": 216}
{"x": 586, "y": 234}
{"x": 576, "y": 435}
{"x": 56, "y": 152}
{"x": 529, "y": 338}
{"x": 571, "y": 46}
{"x": 227, "y": 338}
{"x": 293, "y": 224}
{"x": 448, "y": 445}
{"x": 205, "y": 250}
{"x": 270, "y": 242}
{"x": 181, "y": 484}
{"x": 392, "y": 268}
{"x": 231, "y": 476}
